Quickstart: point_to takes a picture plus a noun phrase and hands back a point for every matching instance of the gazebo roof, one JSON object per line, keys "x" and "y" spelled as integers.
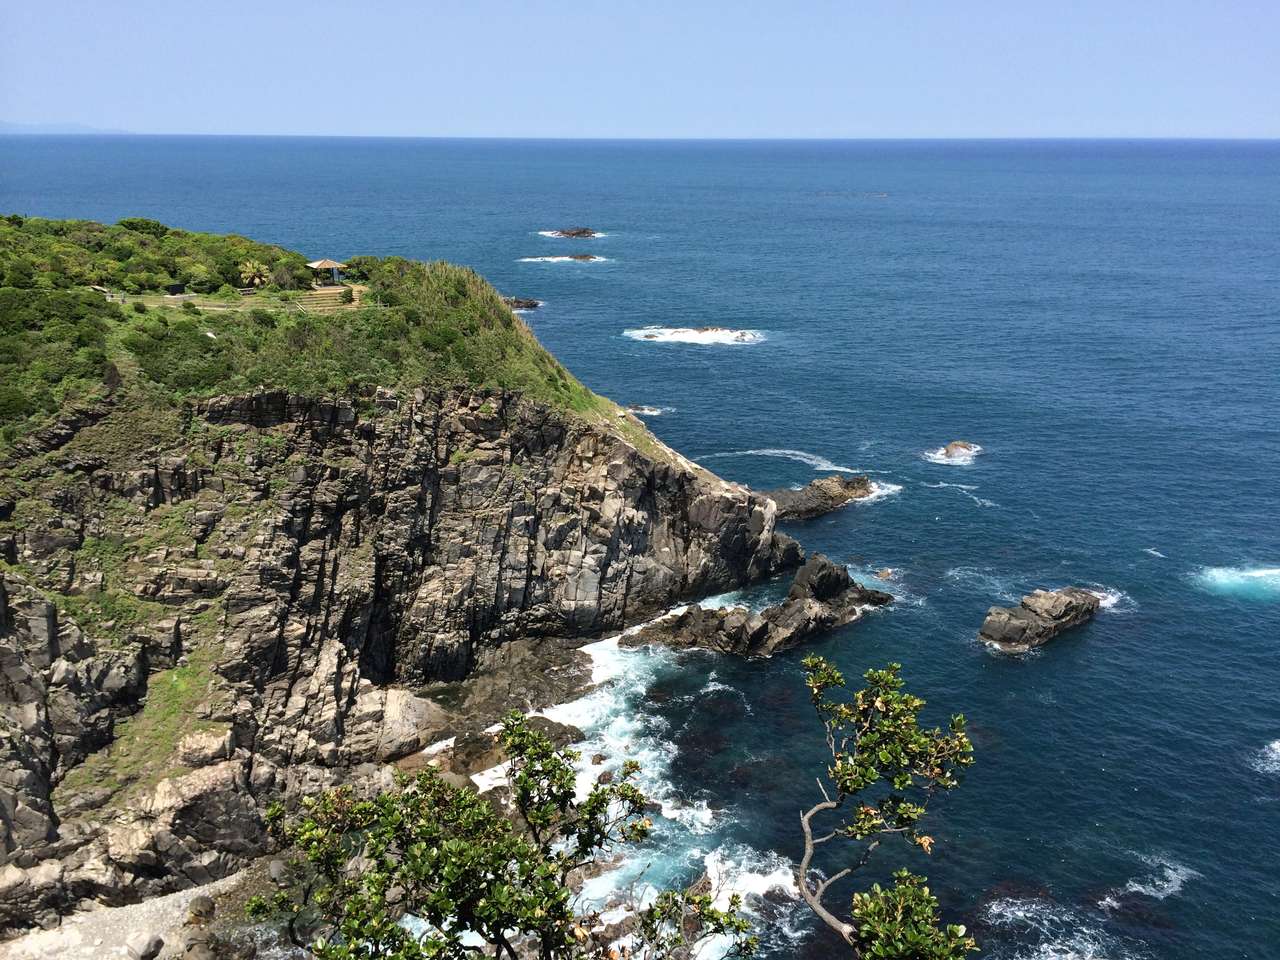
{"x": 326, "y": 265}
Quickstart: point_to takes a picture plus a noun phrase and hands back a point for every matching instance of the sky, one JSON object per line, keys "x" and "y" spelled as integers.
{"x": 699, "y": 68}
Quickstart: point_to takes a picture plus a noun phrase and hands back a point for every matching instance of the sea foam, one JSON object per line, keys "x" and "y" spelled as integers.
{"x": 817, "y": 461}
{"x": 1267, "y": 760}
{"x": 705, "y": 336}
{"x": 562, "y": 259}
{"x": 1049, "y": 931}
{"x": 961, "y": 458}
{"x": 1250, "y": 583}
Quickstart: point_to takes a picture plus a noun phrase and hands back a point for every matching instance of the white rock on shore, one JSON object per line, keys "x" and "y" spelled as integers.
{"x": 103, "y": 933}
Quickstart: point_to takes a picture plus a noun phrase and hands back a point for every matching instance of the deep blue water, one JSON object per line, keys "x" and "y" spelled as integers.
{"x": 1102, "y": 317}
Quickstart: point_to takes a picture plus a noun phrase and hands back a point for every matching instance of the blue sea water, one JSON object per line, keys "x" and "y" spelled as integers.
{"x": 1102, "y": 317}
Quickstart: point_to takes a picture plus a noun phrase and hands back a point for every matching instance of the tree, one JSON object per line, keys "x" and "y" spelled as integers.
{"x": 255, "y": 273}
{"x": 431, "y": 870}
{"x": 884, "y": 771}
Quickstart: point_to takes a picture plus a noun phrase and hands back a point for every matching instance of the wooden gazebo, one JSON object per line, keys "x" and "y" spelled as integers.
{"x": 333, "y": 266}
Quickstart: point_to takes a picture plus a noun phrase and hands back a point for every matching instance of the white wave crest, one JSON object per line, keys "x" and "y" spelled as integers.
{"x": 1113, "y": 600}
{"x": 955, "y": 486}
{"x": 1166, "y": 880}
{"x": 1251, "y": 583}
{"x": 1267, "y": 759}
{"x": 960, "y": 457}
{"x": 880, "y": 490}
{"x": 593, "y": 258}
{"x": 818, "y": 462}
{"x": 1052, "y": 932}
{"x": 645, "y": 410}
{"x": 706, "y": 336}
{"x": 1154, "y": 552}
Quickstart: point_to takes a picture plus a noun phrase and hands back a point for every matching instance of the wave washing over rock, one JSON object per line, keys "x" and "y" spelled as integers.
{"x": 565, "y": 258}
{"x": 704, "y": 336}
{"x": 1248, "y": 583}
{"x": 958, "y": 453}
{"x": 684, "y": 842}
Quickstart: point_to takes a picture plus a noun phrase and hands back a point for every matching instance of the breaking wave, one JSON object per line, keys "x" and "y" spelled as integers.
{"x": 814, "y": 460}
{"x": 1267, "y": 760}
{"x": 706, "y": 336}
{"x": 593, "y": 258}
{"x": 961, "y": 458}
{"x": 1048, "y": 931}
{"x": 1166, "y": 880}
{"x": 1154, "y": 552}
{"x": 645, "y": 410}
{"x": 1113, "y": 600}
{"x": 1250, "y": 583}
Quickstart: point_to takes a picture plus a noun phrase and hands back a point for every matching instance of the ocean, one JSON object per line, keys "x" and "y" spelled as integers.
{"x": 1102, "y": 317}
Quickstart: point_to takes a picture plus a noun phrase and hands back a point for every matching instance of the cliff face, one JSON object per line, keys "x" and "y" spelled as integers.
{"x": 288, "y": 597}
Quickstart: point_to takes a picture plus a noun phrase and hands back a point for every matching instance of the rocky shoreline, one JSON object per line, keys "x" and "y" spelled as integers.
{"x": 822, "y": 597}
{"x": 332, "y": 576}
{"x": 820, "y": 496}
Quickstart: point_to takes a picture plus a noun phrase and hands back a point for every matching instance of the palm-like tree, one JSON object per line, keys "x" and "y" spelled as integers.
{"x": 254, "y": 273}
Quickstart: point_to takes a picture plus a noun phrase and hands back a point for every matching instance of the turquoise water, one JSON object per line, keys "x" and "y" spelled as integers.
{"x": 1102, "y": 317}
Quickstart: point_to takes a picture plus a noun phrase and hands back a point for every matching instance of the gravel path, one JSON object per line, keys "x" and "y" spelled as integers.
{"x": 101, "y": 934}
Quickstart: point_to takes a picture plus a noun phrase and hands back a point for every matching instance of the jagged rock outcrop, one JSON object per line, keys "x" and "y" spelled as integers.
{"x": 822, "y": 597}
{"x": 575, "y": 233}
{"x": 317, "y": 579}
{"x": 1040, "y": 617}
{"x": 820, "y": 496}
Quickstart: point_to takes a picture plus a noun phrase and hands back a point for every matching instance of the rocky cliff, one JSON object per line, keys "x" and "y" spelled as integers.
{"x": 292, "y": 593}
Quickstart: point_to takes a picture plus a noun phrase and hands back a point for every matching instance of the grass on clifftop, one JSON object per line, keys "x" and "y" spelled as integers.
{"x": 419, "y": 323}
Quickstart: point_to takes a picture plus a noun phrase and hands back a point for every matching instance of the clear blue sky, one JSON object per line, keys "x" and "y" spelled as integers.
{"x": 717, "y": 68}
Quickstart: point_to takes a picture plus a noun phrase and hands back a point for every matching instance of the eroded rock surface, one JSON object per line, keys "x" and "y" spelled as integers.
{"x": 822, "y": 597}
{"x": 820, "y": 496}
{"x": 1040, "y": 617}
{"x": 305, "y": 585}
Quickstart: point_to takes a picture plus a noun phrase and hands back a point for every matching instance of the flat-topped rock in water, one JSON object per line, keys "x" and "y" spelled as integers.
{"x": 522, "y": 303}
{"x": 820, "y": 496}
{"x": 822, "y": 597}
{"x": 1040, "y": 617}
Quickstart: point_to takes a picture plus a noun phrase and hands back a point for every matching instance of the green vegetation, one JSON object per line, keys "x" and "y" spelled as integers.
{"x": 143, "y": 752}
{"x": 884, "y": 771}
{"x": 136, "y": 255}
{"x": 418, "y": 323}
{"x": 446, "y": 856}
{"x": 466, "y": 869}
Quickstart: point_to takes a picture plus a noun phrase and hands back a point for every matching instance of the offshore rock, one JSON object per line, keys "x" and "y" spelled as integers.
{"x": 822, "y": 597}
{"x": 342, "y": 586}
{"x": 1040, "y": 617}
{"x": 820, "y": 496}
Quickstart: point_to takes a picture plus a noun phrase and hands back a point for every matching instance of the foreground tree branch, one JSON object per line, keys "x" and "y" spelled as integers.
{"x": 885, "y": 770}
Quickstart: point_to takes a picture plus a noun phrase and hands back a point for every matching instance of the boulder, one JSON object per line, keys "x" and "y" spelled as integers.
{"x": 822, "y": 597}
{"x": 203, "y": 747}
{"x": 820, "y": 496}
{"x": 522, "y": 303}
{"x": 576, "y": 233}
{"x": 144, "y": 946}
{"x": 201, "y": 908}
{"x": 1038, "y": 618}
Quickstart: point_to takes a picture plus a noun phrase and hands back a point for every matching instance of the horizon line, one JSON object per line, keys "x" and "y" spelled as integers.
{"x": 20, "y": 134}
